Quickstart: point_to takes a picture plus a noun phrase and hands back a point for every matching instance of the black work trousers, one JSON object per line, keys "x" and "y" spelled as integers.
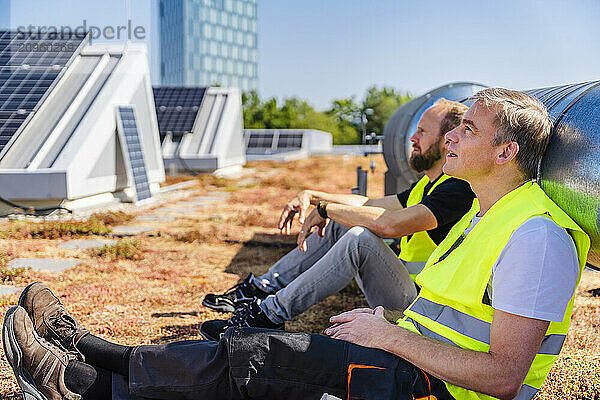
{"x": 251, "y": 363}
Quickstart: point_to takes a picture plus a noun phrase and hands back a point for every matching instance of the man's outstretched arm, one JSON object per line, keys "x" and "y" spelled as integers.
{"x": 514, "y": 342}
{"x": 383, "y": 223}
{"x": 303, "y": 199}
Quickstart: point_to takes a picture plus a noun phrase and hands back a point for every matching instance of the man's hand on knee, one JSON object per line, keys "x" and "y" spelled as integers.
{"x": 314, "y": 220}
{"x": 362, "y": 326}
{"x": 298, "y": 205}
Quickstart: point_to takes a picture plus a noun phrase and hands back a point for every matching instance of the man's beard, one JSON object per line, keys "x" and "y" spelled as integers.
{"x": 423, "y": 161}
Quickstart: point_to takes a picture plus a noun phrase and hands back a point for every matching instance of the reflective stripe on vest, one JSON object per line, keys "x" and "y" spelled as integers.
{"x": 469, "y": 326}
{"x": 420, "y": 245}
{"x": 450, "y": 305}
{"x": 527, "y": 392}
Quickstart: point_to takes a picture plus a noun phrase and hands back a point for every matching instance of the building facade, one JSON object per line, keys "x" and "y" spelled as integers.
{"x": 209, "y": 43}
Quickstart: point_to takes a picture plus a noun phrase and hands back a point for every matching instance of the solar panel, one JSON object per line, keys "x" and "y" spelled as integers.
{"x": 260, "y": 141}
{"x": 289, "y": 141}
{"x": 130, "y": 139}
{"x": 178, "y": 96}
{"x": 176, "y": 108}
{"x": 30, "y": 65}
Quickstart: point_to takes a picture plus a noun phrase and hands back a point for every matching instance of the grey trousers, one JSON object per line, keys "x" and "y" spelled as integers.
{"x": 302, "y": 279}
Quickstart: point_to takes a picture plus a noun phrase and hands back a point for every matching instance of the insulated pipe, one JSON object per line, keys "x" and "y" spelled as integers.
{"x": 569, "y": 172}
{"x": 402, "y": 124}
{"x": 570, "y": 169}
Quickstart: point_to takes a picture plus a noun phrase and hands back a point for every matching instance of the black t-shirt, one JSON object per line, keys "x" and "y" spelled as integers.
{"x": 448, "y": 202}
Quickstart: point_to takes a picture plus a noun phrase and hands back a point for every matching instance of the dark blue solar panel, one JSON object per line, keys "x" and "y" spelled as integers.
{"x": 176, "y": 108}
{"x": 178, "y": 96}
{"x": 133, "y": 147}
{"x": 260, "y": 141}
{"x": 289, "y": 141}
{"x": 30, "y": 65}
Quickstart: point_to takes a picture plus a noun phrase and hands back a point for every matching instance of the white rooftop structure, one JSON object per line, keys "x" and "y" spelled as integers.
{"x": 286, "y": 144}
{"x": 77, "y": 122}
{"x": 200, "y": 129}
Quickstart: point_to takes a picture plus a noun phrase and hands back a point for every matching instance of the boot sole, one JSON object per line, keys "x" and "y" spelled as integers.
{"x": 217, "y": 307}
{"x": 14, "y": 356}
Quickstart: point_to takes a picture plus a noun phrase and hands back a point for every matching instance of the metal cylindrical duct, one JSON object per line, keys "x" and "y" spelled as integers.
{"x": 570, "y": 170}
{"x": 403, "y": 123}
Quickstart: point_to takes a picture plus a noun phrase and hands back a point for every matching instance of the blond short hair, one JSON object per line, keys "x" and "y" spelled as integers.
{"x": 454, "y": 114}
{"x": 519, "y": 118}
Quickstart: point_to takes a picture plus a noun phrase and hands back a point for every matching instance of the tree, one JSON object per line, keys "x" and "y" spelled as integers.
{"x": 343, "y": 120}
{"x": 383, "y": 102}
{"x": 348, "y": 116}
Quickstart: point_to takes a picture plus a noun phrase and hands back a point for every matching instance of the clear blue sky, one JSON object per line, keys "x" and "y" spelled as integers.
{"x": 321, "y": 50}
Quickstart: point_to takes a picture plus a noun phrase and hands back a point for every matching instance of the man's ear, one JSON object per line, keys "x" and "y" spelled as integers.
{"x": 507, "y": 152}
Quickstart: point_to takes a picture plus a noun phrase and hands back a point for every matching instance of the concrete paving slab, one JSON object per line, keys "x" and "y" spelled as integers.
{"x": 218, "y": 194}
{"x": 44, "y": 264}
{"x": 87, "y": 243}
{"x": 246, "y": 182}
{"x": 196, "y": 203}
{"x": 6, "y": 290}
{"x": 156, "y": 218}
{"x": 179, "y": 210}
{"x": 211, "y": 199}
{"x": 130, "y": 230}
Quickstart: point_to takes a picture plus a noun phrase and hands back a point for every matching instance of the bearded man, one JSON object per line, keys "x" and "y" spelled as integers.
{"x": 350, "y": 245}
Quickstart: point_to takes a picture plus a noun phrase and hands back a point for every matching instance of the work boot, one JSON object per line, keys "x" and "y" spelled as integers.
{"x": 50, "y": 318}
{"x": 250, "y": 315}
{"x": 39, "y": 366}
{"x": 242, "y": 293}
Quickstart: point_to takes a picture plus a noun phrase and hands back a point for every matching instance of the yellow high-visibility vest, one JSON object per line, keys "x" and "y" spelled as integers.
{"x": 420, "y": 246}
{"x": 450, "y": 304}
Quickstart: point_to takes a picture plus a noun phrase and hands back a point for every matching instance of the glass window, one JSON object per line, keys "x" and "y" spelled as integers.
{"x": 230, "y": 35}
{"x": 213, "y": 48}
{"x": 219, "y": 64}
{"x": 207, "y": 63}
{"x": 244, "y": 54}
{"x": 235, "y": 52}
{"x": 239, "y": 7}
{"x": 235, "y": 21}
{"x": 239, "y": 37}
{"x": 228, "y": 5}
{"x": 213, "y": 16}
{"x": 218, "y": 33}
{"x": 206, "y": 31}
{"x": 229, "y": 67}
{"x": 235, "y": 81}
{"x": 244, "y": 24}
